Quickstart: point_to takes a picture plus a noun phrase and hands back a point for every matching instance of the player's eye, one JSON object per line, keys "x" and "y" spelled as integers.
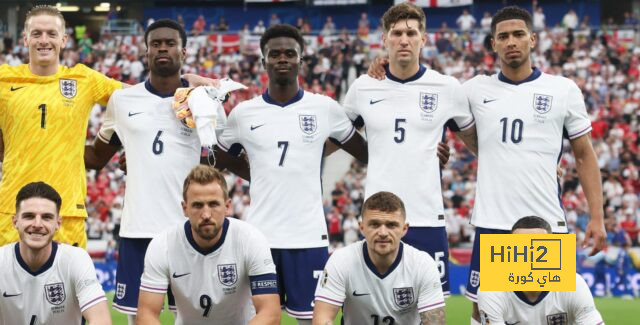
{"x": 291, "y": 54}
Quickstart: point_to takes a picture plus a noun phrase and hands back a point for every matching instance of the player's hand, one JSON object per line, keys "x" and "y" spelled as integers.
{"x": 595, "y": 229}
{"x": 376, "y": 68}
{"x": 443, "y": 154}
{"x": 560, "y": 171}
{"x": 123, "y": 163}
{"x": 196, "y": 80}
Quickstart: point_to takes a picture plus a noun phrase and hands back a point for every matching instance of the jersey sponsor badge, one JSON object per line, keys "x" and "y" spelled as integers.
{"x": 68, "y": 88}
{"x": 227, "y": 274}
{"x": 557, "y": 319}
{"x": 121, "y": 290}
{"x": 55, "y": 293}
{"x": 428, "y": 102}
{"x": 542, "y": 103}
{"x": 475, "y": 278}
{"x": 403, "y": 297}
{"x": 308, "y": 124}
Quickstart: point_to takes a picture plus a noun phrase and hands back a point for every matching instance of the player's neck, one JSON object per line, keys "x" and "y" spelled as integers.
{"x": 43, "y": 70}
{"x": 532, "y": 296}
{"x": 283, "y": 93}
{"x": 35, "y": 259}
{"x": 382, "y": 262}
{"x": 402, "y": 73}
{"x": 165, "y": 85}
{"x": 517, "y": 74}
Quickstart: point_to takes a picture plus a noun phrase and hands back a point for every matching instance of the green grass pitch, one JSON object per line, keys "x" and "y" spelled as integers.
{"x": 458, "y": 309}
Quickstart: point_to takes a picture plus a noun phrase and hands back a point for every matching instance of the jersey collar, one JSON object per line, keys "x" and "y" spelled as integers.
{"x": 192, "y": 242}
{"x": 268, "y": 99}
{"x": 149, "y": 87}
{"x": 533, "y": 76}
{"x": 415, "y": 77}
{"x": 524, "y": 298}
{"x": 47, "y": 265}
{"x": 372, "y": 268}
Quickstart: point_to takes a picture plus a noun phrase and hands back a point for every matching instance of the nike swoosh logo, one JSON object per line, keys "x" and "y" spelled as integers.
{"x": 371, "y": 101}
{"x": 136, "y": 113}
{"x": 175, "y": 276}
{"x": 255, "y": 127}
{"x": 16, "y": 88}
{"x": 488, "y": 100}
{"x": 355, "y": 294}
{"x": 8, "y": 296}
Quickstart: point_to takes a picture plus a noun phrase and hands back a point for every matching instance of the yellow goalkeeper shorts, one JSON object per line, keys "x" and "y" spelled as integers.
{"x": 71, "y": 232}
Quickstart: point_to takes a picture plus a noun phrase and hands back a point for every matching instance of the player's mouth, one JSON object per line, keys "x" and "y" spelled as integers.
{"x": 163, "y": 59}
{"x": 36, "y": 235}
{"x": 282, "y": 69}
{"x": 43, "y": 50}
{"x": 513, "y": 53}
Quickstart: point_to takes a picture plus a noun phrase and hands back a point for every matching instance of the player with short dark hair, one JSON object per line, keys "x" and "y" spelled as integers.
{"x": 380, "y": 278}
{"x": 220, "y": 269}
{"x": 283, "y": 133}
{"x": 161, "y": 150}
{"x": 522, "y": 116}
{"x": 538, "y": 307}
{"x": 44, "y": 282}
{"x": 405, "y": 116}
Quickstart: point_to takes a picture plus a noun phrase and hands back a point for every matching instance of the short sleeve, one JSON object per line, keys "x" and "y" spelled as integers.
{"x": 103, "y": 86}
{"x": 341, "y": 127}
{"x": 331, "y": 287}
{"x": 582, "y": 306}
{"x": 576, "y": 121}
{"x": 430, "y": 295}
{"x": 230, "y": 133}
{"x": 259, "y": 259}
{"x": 107, "y": 133}
{"x": 155, "y": 277}
{"x": 461, "y": 111}
{"x": 490, "y": 307}
{"x": 350, "y": 102}
{"x": 88, "y": 289}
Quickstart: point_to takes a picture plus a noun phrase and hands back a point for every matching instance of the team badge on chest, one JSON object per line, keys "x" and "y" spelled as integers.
{"x": 308, "y": 124}
{"x": 557, "y": 319}
{"x": 227, "y": 274}
{"x": 55, "y": 293}
{"x": 403, "y": 297}
{"x": 428, "y": 102}
{"x": 542, "y": 103}
{"x": 68, "y": 88}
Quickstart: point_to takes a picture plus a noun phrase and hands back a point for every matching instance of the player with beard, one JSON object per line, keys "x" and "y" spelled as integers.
{"x": 161, "y": 150}
{"x": 219, "y": 269}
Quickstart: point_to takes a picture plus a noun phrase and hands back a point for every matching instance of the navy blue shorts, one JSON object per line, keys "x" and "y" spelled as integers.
{"x": 434, "y": 241}
{"x": 298, "y": 272}
{"x": 131, "y": 252}
{"x": 473, "y": 281}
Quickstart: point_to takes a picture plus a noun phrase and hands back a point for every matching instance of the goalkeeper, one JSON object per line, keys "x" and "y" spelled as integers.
{"x": 161, "y": 150}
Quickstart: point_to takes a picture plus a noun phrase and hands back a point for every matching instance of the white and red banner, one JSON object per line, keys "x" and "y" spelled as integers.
{"x": 225, "y": 43}
{"x": 437, "y": 3}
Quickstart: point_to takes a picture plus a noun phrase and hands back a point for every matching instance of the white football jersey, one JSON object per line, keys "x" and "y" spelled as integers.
{"x": 285, "y": 144}
{"x": 160, "y": 150}
{"x": 213, "y": 286}
{"x": 57, "y": 294}
{"x": 404, "y": 121}
{"x": 520, "y": 134}
{"x": 411, "y": 286}
{"x": 553, "y": 307}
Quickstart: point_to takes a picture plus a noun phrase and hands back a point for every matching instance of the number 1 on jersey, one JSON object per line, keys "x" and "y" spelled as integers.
{"x": 43, "y": 115}
{"x": 284, "y": 145}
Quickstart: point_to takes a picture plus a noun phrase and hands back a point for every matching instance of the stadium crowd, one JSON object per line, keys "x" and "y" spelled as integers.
{"x": 604, "y": 62}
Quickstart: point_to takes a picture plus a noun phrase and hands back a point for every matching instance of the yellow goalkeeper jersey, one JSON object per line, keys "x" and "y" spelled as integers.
{"x": 44, "y": 127}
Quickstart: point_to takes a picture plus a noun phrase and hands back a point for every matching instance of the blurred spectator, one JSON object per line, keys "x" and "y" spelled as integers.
{"x": 223, "y": 26}
{"x": 570, "y": 19}
{"x": 275, "y": 20}
{"x": 363, "y": 25}
{"x": 630, "y": 19}
{"x": 539, "y": 19}
{"x": 259, "y": 28}
{"x": 351, "y": 228}
{"x": 485, "y": 22}
{"x": 198, "y": 26}
{"x": 329, "y": 27}
{"x": 465, "y": 21}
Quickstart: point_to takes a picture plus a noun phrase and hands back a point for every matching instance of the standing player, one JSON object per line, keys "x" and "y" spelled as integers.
{"x": 283, "y": 132}
{"x": 380, "y": 279}
{"x": 521, "y": 116}
{"x": 161, "y": 151}
{"x": 405, "y": 116}
{"x": 44, "y": 282}
{"x": 218, "y": 268}
{"x": 44, "y": 108}
{"x": 538, "y": 307}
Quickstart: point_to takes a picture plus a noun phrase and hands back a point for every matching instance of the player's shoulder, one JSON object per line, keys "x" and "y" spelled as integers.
{"x": 364, "y": 81}
{"x": 8, "y": 71}
{"x": 414, "y": 255}
{"x": 478, "y": 79}
{"x": 256, "y": 102}
{"x": 72, "y": 255}
{"x": 493, "y": 297}
{"x": 318, "y": 99}
{"x": 6, "y": 252}
{"x": 242, "y": 227}
{"x": 351, "y": 252}
{"x": 434, "y": 76}
{"x": 135, "y": 90}
{"x": 557, "y": 81}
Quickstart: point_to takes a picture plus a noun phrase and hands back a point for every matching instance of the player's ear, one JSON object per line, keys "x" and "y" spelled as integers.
{"x": 534, "y": 40}
{"x": 228, "y": 206}
{"x": 493, "y": 44}
{"x": 184, "y": 208}
{"x": 14, "y": 220}
{"x": 58, "y": 221}
{"x": 405, "y": 228}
